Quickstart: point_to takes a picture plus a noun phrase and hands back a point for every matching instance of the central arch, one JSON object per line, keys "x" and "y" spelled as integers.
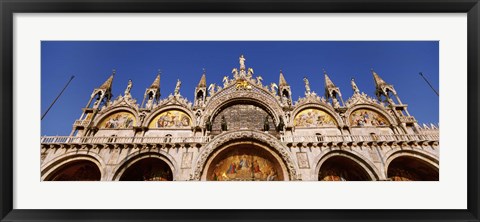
{"x": 244, "y": 161}
{"x": 258, "y": 145}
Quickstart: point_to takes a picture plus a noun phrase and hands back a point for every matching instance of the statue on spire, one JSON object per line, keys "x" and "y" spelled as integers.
{"x": 242, "y": 62}
{"x": 129, "y": 87}
{"x": 354, "y": 86}
{"x": 177, "y": 87}
{"x": 307, "y": 85}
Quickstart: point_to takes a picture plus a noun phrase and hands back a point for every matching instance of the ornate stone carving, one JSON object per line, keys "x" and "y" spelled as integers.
{"x": 245, "y": 135}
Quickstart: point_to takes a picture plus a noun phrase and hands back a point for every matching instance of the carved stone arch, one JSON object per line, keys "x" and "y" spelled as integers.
{"x": 100, "y": 118}
{"x": 358, "y": 158}
{"x": 419, "y": 154}
{"x": 375, "y": 108}
{"x": 242, "y": 135}
{"x": 137, "y": 156}
{"x": 57, "y": 163}
{"x": 230, "y": 94}
{"x": 320, "y": 106}
{"x": 162, "y": 109}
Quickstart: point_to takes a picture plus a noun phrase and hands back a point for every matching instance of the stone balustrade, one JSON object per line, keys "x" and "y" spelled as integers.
{"x": 362, "y": 138}
{"x": 121, "y": 140}
{"x": 204, "y": 139}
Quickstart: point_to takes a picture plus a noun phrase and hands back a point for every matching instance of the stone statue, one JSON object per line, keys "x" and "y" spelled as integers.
{"x": 177, "y": 87}
{"x": 354, "y": 86}
{"x": 225, "y": 81}
{"x": 198, "y": 116}
{"x": 273, "y": 88}
{"x": 307, "y": 85}
{"x": 224, "y": 124}
{"x": 281, "y": 124}
{"x": 250, "y": 73}
{"x": 211, "y": 89}
{"x": 149, "y": 104}
{"x": 235, "y": 73}
{"x": 266, "y": 125}
{"x": 129, "y": 87}
{"x": 242, "y": 62}
{"x": 142, "y": 118}
{"x": 259, "y": 80}
{"x": 208, "y": 124}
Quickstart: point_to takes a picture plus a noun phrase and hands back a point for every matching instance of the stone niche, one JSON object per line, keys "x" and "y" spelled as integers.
{"x": 243, "y": 116}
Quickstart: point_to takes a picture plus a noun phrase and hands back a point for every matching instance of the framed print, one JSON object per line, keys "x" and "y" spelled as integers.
{"x": 255, "y": 110}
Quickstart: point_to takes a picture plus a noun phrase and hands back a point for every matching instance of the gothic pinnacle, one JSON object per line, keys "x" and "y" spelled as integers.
{"x": 108, "y": 83}
{"x": 203, "y": 80}
{"x": 282, "y": 81}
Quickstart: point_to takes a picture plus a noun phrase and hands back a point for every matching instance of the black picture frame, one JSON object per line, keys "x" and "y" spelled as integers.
{"x": 9, "y": 7}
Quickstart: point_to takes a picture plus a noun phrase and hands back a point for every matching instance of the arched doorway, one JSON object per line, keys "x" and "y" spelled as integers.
{"x": 340, "y": 168}
{"x": 80, "y": 170}
{"x": 407, "y": 168}
{"x": 148, "y": 169}
{"x": 245, "y": 161}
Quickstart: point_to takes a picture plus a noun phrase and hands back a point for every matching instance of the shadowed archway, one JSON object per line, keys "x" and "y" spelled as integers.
{"x": 340, "y": 168}
{"x": 148, "y": 169}
{"x": 407, "y": 168}
{"x": 80, "y": 170}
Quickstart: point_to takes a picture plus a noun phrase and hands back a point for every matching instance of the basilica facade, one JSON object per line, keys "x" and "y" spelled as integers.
{"x": 244, "y": 130}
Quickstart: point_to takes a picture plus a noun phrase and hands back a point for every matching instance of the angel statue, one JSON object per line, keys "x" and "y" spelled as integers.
{"x": 307, "y": 85}
{"x": 211, "y": 89}
{"x": 250, "y": 73}
{"x": 235, "y": 73}
{"x": 225, "y": 81}
{"x": 259, "y": 80}
{"x": 273, "y": 87}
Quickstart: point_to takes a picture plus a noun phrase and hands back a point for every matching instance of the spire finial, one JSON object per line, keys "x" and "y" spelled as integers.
{"x": 282, "y": 81}
{"x": 156, "y": 82}
{"x": 203, "y": 80}
{"x": 108, "y": 83}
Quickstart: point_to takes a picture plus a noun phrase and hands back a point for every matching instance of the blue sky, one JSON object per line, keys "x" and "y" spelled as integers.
{"x": 398, "y": 63}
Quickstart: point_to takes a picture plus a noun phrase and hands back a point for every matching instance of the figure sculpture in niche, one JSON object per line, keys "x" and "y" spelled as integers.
{"x": 224, "y": 124}
{"x": 266, "y": 125}
{"x": 208, "y": 124}
{"x": 281, "y": 124}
